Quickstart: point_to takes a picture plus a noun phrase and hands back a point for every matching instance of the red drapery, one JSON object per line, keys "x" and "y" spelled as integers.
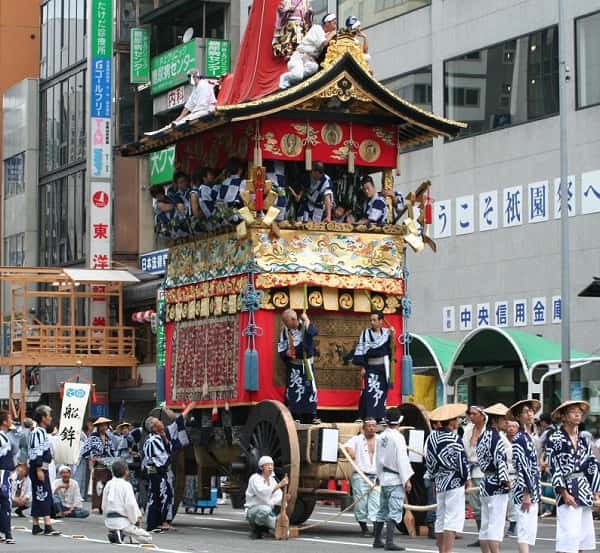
{"x": 257, "y": 70}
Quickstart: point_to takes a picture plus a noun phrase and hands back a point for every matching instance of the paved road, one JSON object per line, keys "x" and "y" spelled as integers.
{"x": 226, "y": 532}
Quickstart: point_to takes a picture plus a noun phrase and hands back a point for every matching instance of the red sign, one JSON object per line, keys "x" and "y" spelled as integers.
{"x": 100, "y": 199}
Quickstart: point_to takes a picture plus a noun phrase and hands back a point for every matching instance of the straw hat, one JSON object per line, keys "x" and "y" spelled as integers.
{"x": 122, "y": 424}
{"x": 101, "y": 420}
{"x": 448, "y": 412}
{"x": 498, "y": 409}
{"x": 533, "y": 404}
{"x": 583, "y": 405}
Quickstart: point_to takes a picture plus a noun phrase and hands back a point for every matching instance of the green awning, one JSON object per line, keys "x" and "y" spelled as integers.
{"x": 428, "y": 350}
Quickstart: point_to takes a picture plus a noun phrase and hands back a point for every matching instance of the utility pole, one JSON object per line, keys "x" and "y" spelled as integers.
{"x": 565, "y": 277}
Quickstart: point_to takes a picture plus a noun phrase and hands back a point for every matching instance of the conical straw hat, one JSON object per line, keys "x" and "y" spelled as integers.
{"x": 534, "y": 404}
{"x": 498, "y": 409}
{"x": 448, "y": 412}
{"x": 583, "y": 405}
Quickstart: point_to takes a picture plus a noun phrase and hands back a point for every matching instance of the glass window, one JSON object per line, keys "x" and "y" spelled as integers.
{"x": 126, "y": 103}
{"x": 14, "y": 250}
{"x": 587, "y": 32}
{"x": 319, "y": 8}
{"x": 371, "y": 12}
{"x": 126, "y": 20}
{"x": 145, "y": 6}
{"x": 512, "y": 82}
{"x": 215, "y": 20}
{"x": 414, "y": 87}
{"x": 14, "y": 175}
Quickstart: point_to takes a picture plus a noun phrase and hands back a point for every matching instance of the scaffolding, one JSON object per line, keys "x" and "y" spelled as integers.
{"x": 58, "y": 338}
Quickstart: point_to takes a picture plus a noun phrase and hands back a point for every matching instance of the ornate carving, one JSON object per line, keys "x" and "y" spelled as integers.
{"x": 344, "y": 42}
{"x": 345, "y": 90}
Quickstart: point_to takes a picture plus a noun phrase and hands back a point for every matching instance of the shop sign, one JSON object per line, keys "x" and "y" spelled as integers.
{"x": 102, "y": 18}
{"x": 218, "y": 57}
{"x": 176, "y": 97}
{"x": 139, "y": 62}
{"x": 101, "y": 148}
{"x": 162, "y": 166}
{"x": 154, "y": 262}
{"x": 170, "y": 68}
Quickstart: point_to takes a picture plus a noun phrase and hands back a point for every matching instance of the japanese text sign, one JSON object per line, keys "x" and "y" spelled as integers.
{"x": 218, "y": 57}
{"x": 102, "y": 28}
{"x": 101, "y": 93}
{"x": 100, "y": 221}
{"x": 162, "y": 165}
{"x": 154, "y": 262}
{"x": 75, "y": 398}
{"x": 140, "y": 56}
{"x": 170, "y": 68}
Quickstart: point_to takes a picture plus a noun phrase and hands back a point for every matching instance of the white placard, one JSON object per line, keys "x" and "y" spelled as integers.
{"x": 520, "y": 312}
{"x": 538, "y": 201}
{"x": 442, "y": 219}
{"x": 465, "y": 317}
{"x": 538, "y": 311}
{"x": 72, "y": 413}
{"x": 330, "y": 439}
{"x": 448, "y": 323}
{"x": 484, "y": 315}
{"x": 465, "y": 218}
{"x": 512, "y": 206}
{"x": 488, "y": 210}
{"x": 571, "y": 200}
{"x": 590, "y": 192}
{"x": 416, "y": 440}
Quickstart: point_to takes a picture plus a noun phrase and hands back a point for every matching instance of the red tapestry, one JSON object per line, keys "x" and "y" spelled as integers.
{"x": 204, "y": 359}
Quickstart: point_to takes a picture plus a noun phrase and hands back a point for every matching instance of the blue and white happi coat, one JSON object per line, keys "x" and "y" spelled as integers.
{"x": 300, "y": 389}
{"x": 446, "y": 460}
{"x": 375, "y": 210}
{"x": 312, "y": 205}
{"x": 527, "y": 469}
{"x": 493, "y": 461}
{"x": 95, "y": 447}
{"x": 7, "y": 464}
{"x": 573, "y": 468}
{"x": 158, "y": 452}
{"x": 373, "y": 353}
{"x": 40, "y": 456}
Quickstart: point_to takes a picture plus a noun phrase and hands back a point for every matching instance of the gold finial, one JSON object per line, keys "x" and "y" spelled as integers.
{"x": 341, "y": 43}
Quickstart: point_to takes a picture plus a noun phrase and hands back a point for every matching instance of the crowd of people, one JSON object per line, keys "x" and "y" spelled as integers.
{"x": 209, "y": 199}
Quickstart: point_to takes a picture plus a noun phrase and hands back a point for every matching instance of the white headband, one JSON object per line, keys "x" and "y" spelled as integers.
{"x": 329, "y": 17}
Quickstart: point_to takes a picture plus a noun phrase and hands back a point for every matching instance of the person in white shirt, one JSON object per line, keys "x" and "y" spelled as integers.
{"x": 123, "y": 516}
{"x": 262, "y": 495}
{"x": 394, "y": 473}
{"x": 362, "y": 448}
{"x": 202, "y": 100}
{"x": 67, "y": 495}
{"x": 303, "y": 62}
{"x": 512, "y": 429}
{"x": 20, "y": 487}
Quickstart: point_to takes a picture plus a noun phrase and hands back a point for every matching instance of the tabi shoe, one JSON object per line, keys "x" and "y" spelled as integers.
{"x": 364, "y": 530}
{"x": 115, "y": 536}
{"x": 10, "y": 540}
{"x": 36, "y": 530}
{"x": 390, "y": 526}
{"x": 19, "y": 512}
{"x": 49, "y": 531}
{"x": 377, "y": 530}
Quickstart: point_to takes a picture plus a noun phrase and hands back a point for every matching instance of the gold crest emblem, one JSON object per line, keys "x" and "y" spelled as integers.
{"x": 291, "y": 144}
{"x": 332, "y": 134}
{"x": 369, "y": 150}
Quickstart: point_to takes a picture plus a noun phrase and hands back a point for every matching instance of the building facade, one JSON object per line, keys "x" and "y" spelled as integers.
{"x": 494, "y": 65}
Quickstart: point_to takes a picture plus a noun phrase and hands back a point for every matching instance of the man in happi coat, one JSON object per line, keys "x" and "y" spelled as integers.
{"x": 159, "y": 449}
{"x": 229, "y": 198}
{"x": 446, "y": 462}
{"x": 316, "y": 199}
{"x": 7, "y": 465}
{"x": 375, "y": 210}
{"x": 495, "y": 484}
{"x": 373, "y": 353}
{"x": 296, "y": 348}
{"x": 575, "y": 478}
{"x": 526, "y": 487}
{"x": 40, "y": 457}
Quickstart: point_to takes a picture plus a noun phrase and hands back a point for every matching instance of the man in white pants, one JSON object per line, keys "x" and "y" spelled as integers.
{"x": 446, "y": 462}
{"x": 303, "y": 62}
{"x": 495, "y": 484}
{"x": 575, "y": 478}
{"x": 527, "y": 489}
{"x": 362, "y": 448}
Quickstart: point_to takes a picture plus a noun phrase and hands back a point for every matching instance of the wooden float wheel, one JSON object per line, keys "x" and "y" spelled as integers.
{"x": 271, "y": 430}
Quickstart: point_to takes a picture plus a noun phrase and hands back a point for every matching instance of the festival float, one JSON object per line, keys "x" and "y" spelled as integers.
{"x": 219, "y": 309}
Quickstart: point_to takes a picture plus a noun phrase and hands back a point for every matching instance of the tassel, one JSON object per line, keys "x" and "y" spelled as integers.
{"x": 398, "y": 160}
{"x": 351, "y": 166}
{"x": 214, "y": 415}
{"x": 259, "y": 189}
{"x": 251, "y": 370}
{"x": 308, "y": 157}
{"x": 428, "y": 213}
{"x": 407, "y": 375}
{"x": 257, "y": 155}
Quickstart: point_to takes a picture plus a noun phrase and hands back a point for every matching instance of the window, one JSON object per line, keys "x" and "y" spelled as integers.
{"x": 14, "y": 175}
{"x": 512, "y": 82}
{"x": 414, "y": 87}
{"x": 14, "y": 250}
{"x": 62, "y": 123}
{"x": 371, "y": 12}
{"x": 62, "y": 220}
{"x": 587, "y": 35}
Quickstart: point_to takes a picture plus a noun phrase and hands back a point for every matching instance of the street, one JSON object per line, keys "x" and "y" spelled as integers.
{"x": 226, "y": 532}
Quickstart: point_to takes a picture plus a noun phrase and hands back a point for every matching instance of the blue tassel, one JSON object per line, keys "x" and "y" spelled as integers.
{"x": 407, "y": 375}
{"x": 251, "y": 370}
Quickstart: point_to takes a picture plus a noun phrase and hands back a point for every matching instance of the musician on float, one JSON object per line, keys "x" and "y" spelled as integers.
{"x": 575, "y": 478}
{"x": 296, "y": 348}
{"x": 373, "y": 354}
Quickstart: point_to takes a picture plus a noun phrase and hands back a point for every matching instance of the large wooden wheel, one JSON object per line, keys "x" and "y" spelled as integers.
{"x": 270, "y": 430}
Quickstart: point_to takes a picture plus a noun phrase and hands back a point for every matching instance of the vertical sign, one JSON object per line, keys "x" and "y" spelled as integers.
{"x": 99, "y": 147}
{"x": 161, "y": 345}
{"x": 218, "y": 57}
{"x": 162, "y": 166}
{"x": 139, "y": 62}
{"x": 72, "y": 413}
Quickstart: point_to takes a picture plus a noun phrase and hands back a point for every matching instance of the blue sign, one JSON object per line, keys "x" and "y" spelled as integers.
{"x": 99, "y": 410}
{"x": 154, "y": 262}
{"x": 101, "y": 88}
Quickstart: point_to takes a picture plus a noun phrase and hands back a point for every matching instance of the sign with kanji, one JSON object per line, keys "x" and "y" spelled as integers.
{"x": 72, "y": 414}
{"x": 170, "y": 68}
{"x": 101, "y": 148}
{"x": 218, "y": 57}
{"x": 101, "y": 92}
{"x": 100, "y": 225}
{"x": 154, "y": 262}
{"x": 162, "y": 166}
{"x": 139, "y": 62}
{"x": 102, "y": 24}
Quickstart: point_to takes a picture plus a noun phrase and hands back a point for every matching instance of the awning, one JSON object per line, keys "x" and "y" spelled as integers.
{"x": 592, "y": 290}
{"x": 99, "y": 275}
{"x": 428, "y": 351}
{"x": 507, "y": 347}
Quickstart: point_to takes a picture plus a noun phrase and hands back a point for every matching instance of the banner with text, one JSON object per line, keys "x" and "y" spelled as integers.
{"x": 72, "y": 413}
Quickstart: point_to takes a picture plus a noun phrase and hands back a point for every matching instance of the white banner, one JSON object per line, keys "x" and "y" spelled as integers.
{"x": 72, "y": 413}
